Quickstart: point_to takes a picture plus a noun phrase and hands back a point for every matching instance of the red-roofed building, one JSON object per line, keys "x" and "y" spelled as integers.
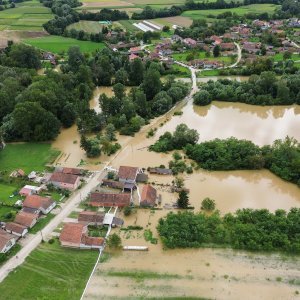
{"x": 7, "y": 241}
{"x": 135, "y": 50}
{"x": 75, "y": 235}
{"x": 227, "y": 46}
{"x": 16, "y": 229}
{"x": 91, "y": 217}
{"x": 132, "y": 56}
{"x": 128, "y": 174}
{"x": 43, "y": 204}
{"x": 65, "y": 181}
{"x": 108, "y": 200}
{"x": 149, "y": 195}
{"x": 26, "y": 219}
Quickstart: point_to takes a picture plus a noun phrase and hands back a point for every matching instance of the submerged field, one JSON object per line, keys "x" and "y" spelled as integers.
{"x": 50, "y": 272}
{"x": 59, "y": 44}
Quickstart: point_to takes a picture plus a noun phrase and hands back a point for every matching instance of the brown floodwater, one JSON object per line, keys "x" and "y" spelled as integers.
{"x": 209, "y": 273}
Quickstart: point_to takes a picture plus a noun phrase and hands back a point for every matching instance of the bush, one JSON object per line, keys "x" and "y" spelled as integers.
{"x": 127, "y": 210}
{"x": 51, "y": 241}
{"x": 202, "y": 98}
{"x": 208, "y": 204}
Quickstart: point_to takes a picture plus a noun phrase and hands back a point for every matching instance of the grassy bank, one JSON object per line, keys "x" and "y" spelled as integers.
{"x": 50, "y": 272}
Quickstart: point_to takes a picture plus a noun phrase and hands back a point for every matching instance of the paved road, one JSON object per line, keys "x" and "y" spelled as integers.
{"x": 68, "y": 207}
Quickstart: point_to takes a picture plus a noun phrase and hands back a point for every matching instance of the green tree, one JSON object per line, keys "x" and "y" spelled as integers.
{"x": 136, "y": 72}
{"x": 202, "y": 97}
{"x": 110, "y": 132}
{"x": 217, "y": 51}
{"x": 183, "y": 200}
{"x": 127, "y": 210}
{"x": 121, "y": 76}
{"x": 151, "y": 84}
{"x": 287, "y": 55}
{"x": 114, "y": 241}
{"x": 119, "y": 90}
{"x": 208, "y": 204}
{"x": 75, "y": 58}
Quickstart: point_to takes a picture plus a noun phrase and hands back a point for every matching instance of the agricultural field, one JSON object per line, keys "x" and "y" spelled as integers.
{"x": 59, "y": 44}
{"x": 27, "y": 16}
{"x": 253, "y": 8}
{"x": 91, "y": 26}
{"x": 50, "y": 270}
{"x": 26, "y": 156}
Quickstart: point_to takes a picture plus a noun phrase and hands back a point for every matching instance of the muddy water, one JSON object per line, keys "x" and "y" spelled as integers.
{"x": 209, "y": 273}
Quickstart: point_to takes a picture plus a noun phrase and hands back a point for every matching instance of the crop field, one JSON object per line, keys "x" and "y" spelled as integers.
{"x": 254, "y": 8}
{"x": 87, "y": 26}
{"x": 50, "y": 272}
{"x": 27, "y": 156}
{"x": 59, "y": 44}
{"x": 28, "y": 16}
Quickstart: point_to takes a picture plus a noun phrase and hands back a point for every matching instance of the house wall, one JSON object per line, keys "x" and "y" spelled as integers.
{"x": 66, "y": 186}
{"x": 70, "y": 245}
{"x": 8, "y": 246}
{"x": 46, "y": 211}
{"x": 25, "y": 231}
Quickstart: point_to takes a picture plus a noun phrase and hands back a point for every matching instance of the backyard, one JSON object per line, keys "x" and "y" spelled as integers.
{"x": 50, "y": 272}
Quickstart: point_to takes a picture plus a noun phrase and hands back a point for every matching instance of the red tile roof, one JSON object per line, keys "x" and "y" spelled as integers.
{"x": 73, "y": 171}
{"x": 92, "y": 241}
{"x": 128, "y": 172}
{"x": 91, "y": 217}
{"x": 108, "y": 200}
{"x": 149, "y": 195}
{"x": 15, "y": 227}
{"x": 72, "y": 233}
{"x": 64, "y": 178}
{"x": 37, "y": 202}
{"x": 25, "y": 218}
{"x": 4, "y": 238}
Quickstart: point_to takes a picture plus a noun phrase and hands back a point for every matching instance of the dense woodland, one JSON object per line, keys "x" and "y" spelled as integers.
{"x": 247, "y": 229}
{"x": 263, "y": 89}
{"x": 33, "y": 108}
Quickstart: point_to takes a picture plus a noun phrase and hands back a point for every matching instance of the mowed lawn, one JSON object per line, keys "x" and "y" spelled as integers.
{"x": 7, "y": 190}
{"x": 253, "y": 8}
{"x": 50, "y": 273}
{"x": 29, "y": 16}
{"x": 59, "y": 44}
{"x": 26, "y": 156}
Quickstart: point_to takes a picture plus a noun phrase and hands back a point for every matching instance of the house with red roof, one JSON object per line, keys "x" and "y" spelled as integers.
{"x": 26, "y": 219}
{"x": 7, "y": 241}
{"x": 128, "y": 174}
{"x": 75, "y": 235}
{"x": 43, "y": 204}
{"x": 149, "y": 196}
{"x": 65, "y": 181}
{"x": 16, "y": 229}
{"x": 109, "y": 200}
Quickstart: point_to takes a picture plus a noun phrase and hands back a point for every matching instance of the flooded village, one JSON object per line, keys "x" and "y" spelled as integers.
{"x": 204, "y": 272}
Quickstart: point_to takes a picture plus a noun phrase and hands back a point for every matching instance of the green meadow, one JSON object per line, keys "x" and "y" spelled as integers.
{"x": 50, "y": 272}
{"x": 59, "y": 44}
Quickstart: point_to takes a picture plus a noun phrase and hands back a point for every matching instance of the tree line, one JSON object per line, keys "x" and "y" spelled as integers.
{"x": 246, "y": 229}
{"x": 263, "y": 89}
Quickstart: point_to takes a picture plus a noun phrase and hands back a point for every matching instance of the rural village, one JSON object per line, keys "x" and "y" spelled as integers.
{"x": 149, "y": 150}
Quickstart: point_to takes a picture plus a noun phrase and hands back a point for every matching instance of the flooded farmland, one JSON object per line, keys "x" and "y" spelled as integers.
{"x": 208, "y": 273}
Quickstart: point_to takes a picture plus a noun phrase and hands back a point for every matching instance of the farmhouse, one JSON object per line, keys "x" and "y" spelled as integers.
{"x": 30, "y": 190}
{"x": 73, "y": 171}
{"x": 160, "y": 171}
{"x": 16, "y": 229}
{"x": 7, "y": 241}
{"x": 108, "y": 200}
{"x": 75, "y": 235}
{"x": 113, "y": 184}
{"x": 26, "y": 219}
{"x": 227, "y": 46}
{"x": 149, "y": 195}
{"x": 91, "y": 218}
{"x": 128, "y": 174}
{"x": 65, "y": 181}
{"x": 17, "y": 173}
{"x": 190, "y": 42}
{"x": 43, "y": 204}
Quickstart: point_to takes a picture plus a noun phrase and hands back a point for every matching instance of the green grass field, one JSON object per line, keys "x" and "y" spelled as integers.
{"x": 50, "y": 272}
{"x": 253, "y": 8}
{"x": 29, "y": 15}
{"x": 279, "y": 57}
{"x": 59, "y": 44}
{"x": 87, "y": 26}
{"x": 41, "y": 223}
{"x": 5, "y": 191}
{"x": 27, "y": 156}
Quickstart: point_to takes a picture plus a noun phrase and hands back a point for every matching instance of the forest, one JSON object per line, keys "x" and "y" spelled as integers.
{"x": 246, "y": 229}
{"x": 263, "y": 89}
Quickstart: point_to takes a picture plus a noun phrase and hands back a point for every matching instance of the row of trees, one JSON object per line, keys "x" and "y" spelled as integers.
{"x": 263, "y": 89}
{"x": 282, "y": 157}
{"x": 257, "y": 230}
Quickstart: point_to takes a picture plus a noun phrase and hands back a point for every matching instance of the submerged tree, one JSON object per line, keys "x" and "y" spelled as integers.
{"x": 183, "y": 200}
